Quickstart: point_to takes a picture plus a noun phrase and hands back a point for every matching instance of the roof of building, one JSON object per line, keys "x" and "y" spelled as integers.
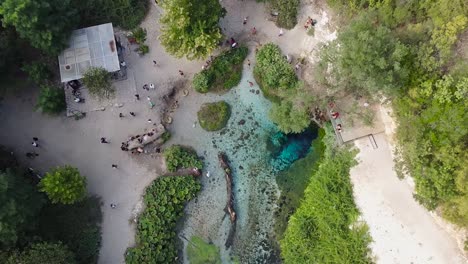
{"x": 89, "y": 47}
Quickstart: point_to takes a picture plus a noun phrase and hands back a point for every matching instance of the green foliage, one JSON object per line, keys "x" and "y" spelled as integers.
{"x": 200, "y": 252}
{"x": 214, "y": 116}
{"x": 77, "y": 225}
{"x": 178, "y": 157}
{"x": 293, "y": 181}
{"x": 20, "y": 204}
{"x": 444, "y": 37}
{"x": 367, "y": 59}
{"x": 46, "y": 24}
{"x": 64, "y": 185}
{"x": 9, "y": 51}
{"x": 43, "y": 252}
{"x": 224, "y": 72}
{"x": 272, "y": 72}
{"x": 287, "y": 12}
{"x": 191, "y": 29}
{"x": 98, "y": 82}
{"x": 166, "y": 136}
{"x": 38, "y": 72}
{"x": 143, "y": 49}
{"x": 51, "y": 100}
{"x": 324, "y": 229}
{"x": 164, "y": 204}
{"x": 139, "y": 34}
{"x": 127, "y": 14}
{"x": 289, "y": 118}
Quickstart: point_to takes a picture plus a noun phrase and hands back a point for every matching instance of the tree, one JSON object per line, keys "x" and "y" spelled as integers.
{"x": 51, "y": 99}
{"x": 289, "y": 118}
{"x": 367, "y": 58}
{"x": 98, "y": 82}
{"x": 43, "y": 252}
{"x": 38, "y": 72}
{"x": 20, "y": 204}
{"x": 46, "y": 24}
{"x": 191, "y": 28}
{"x": 64, "y": 185}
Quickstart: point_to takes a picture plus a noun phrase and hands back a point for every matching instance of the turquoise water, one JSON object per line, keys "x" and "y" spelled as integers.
{"x": 257, "y": 151}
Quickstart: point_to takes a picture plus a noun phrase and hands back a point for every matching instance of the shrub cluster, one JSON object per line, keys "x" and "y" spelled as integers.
{"x": 224, "y": 73}
{"x": 272, "y": 72}
{"x": 51, "y": 99}
{"x": 178, "y": 157}
{"x": 287, "y": 12}
{"x": 200, "y": 252}
{"x": 324, "y": 229}
{"x": 214, "y": 116}
{"x": 164, "y": 202}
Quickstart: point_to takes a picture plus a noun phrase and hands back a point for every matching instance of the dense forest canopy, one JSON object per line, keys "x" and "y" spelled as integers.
{"x": 407, "y": 52}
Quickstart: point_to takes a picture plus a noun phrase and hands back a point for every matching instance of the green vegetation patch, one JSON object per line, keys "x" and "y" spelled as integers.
{"x": 272, "y": 72}
{"x": 178, "y": 157}
{"x": 287, "y": 12}
{"x": 224, "y": 72}
{"x": 51, "y": 99}
{"x": 200, "y": 252}
{"x": 77, "y": 225}
{"x": 164, "y": 204}
{"x": 294, "y": 181}
{"x": 324, "y": 229}
{"x": 214, "y": 116}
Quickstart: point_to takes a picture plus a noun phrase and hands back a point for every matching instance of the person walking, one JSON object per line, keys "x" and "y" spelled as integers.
{"x": 35, "y": 139}
{"x": 104, "y": 140}
{"x": 137, "y": 96}
{"x": 280, "y": 32}
{"x": 114, "y": 166}
{"x": 155, "y": 63}
{"x": 245, "y": 21}
{"x": 34, "y": 143}
{"x": 248, "y": 63}
{"x": 132, "y": 113}
{"x": 121, "y": 115}
{"x": 181, "y": 73}
{"x": 151, "y": 86}
{"x": 149, "y": 121}
{"x": 113, "y": 205}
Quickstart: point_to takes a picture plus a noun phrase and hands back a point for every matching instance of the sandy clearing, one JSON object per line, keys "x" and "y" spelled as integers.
{"x": 403, "y": 231}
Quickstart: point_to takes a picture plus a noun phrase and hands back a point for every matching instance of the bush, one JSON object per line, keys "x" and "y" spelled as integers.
{"x": 143, "y": 49}
{"x": 76, "y": 225}
{"x": 64, "y": 185}
{"x": 178, "y": 157}
{"x": 164, "y": 204}
{"x": 272, "y": 72}
{"x": 98, "y": 82}
{"x": 224, "y": 72}
{"x": 51, "y": 100}
{"x": 38, "y": 72}
{"x": 200, "y": 252}
{"x": 287, "y": 12}
{"x": 214, "y": 116}
{"x": 324, "y": 229}
{"x": 140, "y": 35}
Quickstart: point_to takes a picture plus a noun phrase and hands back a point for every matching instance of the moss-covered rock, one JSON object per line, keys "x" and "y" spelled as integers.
{"x": 214, "y": 116}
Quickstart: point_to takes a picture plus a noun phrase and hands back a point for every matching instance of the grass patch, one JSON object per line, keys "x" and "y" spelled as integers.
{"x": 324, "y": 229}
{"x": 156, "y": 236}
{"x": 214, "y": 116}
{"x": 178, "y": 157}
{"x": 224, "y": 73}
{"x": 200, "y": 252}
{"x": 293, "y": 183}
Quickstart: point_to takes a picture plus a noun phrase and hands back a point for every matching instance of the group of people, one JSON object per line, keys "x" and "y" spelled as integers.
{"x": 309, "y": 22}
{"x": 335, "y": 116}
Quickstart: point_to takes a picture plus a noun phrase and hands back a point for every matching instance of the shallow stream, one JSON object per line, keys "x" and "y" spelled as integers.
{"x": 257, "y": 151}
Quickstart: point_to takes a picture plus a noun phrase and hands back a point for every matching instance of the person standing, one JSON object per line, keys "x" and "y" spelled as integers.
{"x": 155, "y": 63}
{"x": 104, "y": 140}
{"x": 137, "y": 96}
{"x": 181, "y": 73}
{"x": 114, "y": 166}
{"x": 132, "y": 113}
